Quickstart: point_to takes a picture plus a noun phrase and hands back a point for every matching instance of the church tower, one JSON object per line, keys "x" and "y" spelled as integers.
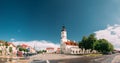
{"x": 63, "y": 39}
{"x": 63, "y": 35}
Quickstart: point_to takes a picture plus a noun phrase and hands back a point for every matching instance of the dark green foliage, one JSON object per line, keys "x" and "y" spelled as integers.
{"x": 83, "y": 43}
{"x": 88, "y": 42}
{"x": 0, "y": 51}
{"x": 10, "y": 49}
{"x": 23, "y": 49}
{"x": 27, "y": 50}
{"x": 103, "y": 46}
{"x": 4, "y": 43}
{"x": 100, "y": 45}
{"x": 91, "y": 40}
{"x": 20, "y": 49}
{"x": 41, "y": 51}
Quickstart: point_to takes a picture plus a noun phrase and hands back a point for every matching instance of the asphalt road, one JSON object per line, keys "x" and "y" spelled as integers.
{"x": 85, "y": 59}
{"x": 100, "y": 59}
{"x": 88, "y": 59}
{"x": 75, "y": 60}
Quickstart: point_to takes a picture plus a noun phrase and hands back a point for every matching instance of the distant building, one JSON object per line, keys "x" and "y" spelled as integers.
{"x": 50, "y": 50}
{"x": 31, "y": 50}
{"x": 9, "y": 49}
{"x": 11, "y": 45}
{"x": 58, "y": 50}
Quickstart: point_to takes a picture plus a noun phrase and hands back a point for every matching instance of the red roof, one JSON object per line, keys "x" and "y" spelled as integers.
{"x": 71, "y": 43}
{"x": 24, "y": 45}
{"x": 49, "y": 48}
{"x": 58, "y": 48}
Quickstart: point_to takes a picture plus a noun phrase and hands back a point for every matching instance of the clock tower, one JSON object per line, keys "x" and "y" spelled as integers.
{"x": 63, "y": 39}
{"x": 63, "y": 35}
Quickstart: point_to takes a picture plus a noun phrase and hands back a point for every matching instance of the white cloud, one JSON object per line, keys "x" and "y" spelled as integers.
{"x": 39, "y": 45}
{"x": 112, "y": 34}
{"x": 12, "y": 39}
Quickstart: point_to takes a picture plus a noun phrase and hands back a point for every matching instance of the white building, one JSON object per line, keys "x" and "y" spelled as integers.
{"x": 13, "y": 47}
{"x": 68, "y": 46}
{"x": 10, "y": 49}
{"x": 50, "y": 50}
{"x": 31, "y": 50}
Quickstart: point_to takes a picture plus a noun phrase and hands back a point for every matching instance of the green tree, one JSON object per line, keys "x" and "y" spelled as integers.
{"x": 100, "y": 45}
{"x": 103, "y": 46}
{"x": 43, "y": 50}
{"x": 27, "y": 50}
{"x": 88, "y": 42}
{"x": 10, "y": 49}
{"x": 91, "y": 40}
{"x": 20, "y": 49}
{"x": 6, "y": 44}
{"x": 0, "y": 51}
{"x": 83, "y": 43}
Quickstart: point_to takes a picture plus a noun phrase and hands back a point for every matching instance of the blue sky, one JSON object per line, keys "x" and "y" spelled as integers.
{"x": 27, "y": 20}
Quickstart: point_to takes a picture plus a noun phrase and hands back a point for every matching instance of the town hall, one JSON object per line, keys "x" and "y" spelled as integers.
{"x": 68, "y": 46}
{"x": 71, "y": 47}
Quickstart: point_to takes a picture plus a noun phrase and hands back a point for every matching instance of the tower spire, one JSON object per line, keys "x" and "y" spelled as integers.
{"x": 63, "y": 28}
{"x": 63, "y": 35}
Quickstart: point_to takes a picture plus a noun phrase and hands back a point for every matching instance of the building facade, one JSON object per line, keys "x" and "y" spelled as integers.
{"x": 68, "y": 46}
{"x": 7, "y": 50}
{"x": 71, "y": 47}
{"x": 31, "y": 49}
{"x": 50, "y": 50}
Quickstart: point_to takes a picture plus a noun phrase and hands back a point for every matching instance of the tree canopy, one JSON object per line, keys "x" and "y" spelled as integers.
{"x": 10, "y": 49}
{"x": 91, "y": 42}
{"x": 103, "y": 46}
{"x": 88, "y": 42}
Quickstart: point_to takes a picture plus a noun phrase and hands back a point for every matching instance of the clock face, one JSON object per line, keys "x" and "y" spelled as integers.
{"x": 63, "y": 36}
{"x": 63, "y": 32}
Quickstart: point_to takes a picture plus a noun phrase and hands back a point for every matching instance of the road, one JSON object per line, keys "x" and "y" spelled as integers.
{"x": 85, "y": 59}
{"x": 75, "y": 60}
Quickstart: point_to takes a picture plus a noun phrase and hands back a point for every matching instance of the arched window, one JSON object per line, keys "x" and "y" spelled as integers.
{"x": 73, "y": 51}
